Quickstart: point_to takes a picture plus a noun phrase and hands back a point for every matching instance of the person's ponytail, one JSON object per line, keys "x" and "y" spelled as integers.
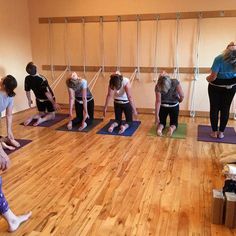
{"x": 9, "y": 84}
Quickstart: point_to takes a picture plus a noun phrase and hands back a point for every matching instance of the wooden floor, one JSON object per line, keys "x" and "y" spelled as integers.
{"x": 90, "y": 184}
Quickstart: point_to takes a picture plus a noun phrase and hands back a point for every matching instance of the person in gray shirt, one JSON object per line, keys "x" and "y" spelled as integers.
{"x": 169, "y": 94}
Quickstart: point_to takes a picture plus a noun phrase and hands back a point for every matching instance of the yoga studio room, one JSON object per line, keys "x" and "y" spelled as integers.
{"x": 118, "y": 118}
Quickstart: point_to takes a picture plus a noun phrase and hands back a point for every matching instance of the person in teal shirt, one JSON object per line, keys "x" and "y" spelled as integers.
{"x": 221, "y": 89}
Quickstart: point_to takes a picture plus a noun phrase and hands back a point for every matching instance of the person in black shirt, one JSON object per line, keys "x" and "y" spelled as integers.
{"x": 45, "y": 99}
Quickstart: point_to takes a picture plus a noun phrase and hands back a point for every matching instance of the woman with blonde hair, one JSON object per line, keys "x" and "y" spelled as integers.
{"x": 221, "y": 89}
{"x": 169, "y": 94}
{"x": 81, "y": 97}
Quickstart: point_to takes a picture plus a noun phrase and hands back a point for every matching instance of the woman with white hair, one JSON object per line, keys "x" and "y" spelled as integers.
{"x": 169, "y": 94}
{"x": 221, "y": 89}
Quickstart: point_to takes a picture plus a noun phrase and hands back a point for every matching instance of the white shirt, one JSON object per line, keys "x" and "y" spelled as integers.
{"x": 5, "y": 101}
{"x": 121, "y": 93}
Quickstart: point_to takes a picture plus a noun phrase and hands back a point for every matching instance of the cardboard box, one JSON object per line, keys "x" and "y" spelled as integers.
{"x": 230, "y": 214}
{"x": 218, "y": 207}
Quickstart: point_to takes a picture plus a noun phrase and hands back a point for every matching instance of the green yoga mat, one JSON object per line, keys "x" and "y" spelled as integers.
{"x": 180, "y": 133}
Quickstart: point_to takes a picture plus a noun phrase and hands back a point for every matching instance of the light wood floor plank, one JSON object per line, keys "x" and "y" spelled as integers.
{"x": 90, "y": 184}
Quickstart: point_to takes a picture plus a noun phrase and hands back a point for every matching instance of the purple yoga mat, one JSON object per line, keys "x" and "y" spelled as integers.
{"x": 59, "y": 117}
{"x": 23, "y": 142}
{"x": 204, "y": 135}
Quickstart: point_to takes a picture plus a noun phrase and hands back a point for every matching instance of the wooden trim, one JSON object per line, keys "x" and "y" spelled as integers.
{"x": 142, "y": 17}
{"x": 183, "y": 70}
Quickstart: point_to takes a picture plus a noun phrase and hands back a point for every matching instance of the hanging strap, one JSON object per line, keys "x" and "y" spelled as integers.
{"x": 94, "y": 80}
{"x": 66, "y": 43}
{"x": 196, "y": 69}
{"x": 58, "y": 80}
{"x": 176, "y": 69}
{"x": 155, "y": 53}
{"x": 133, "y": 76}
{"x": 67, "y": 56}
{"x": 118, "y": 43}
{"x": 83, "y": 45}
{"x": 138, "y": 48}
{"x": 50, "y": 48}
{"x": 102, "y": 45}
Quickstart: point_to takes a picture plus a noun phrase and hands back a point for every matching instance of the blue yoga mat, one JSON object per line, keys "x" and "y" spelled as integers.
{"x": 75, "y": 128}
{"x": 128, "y": 133}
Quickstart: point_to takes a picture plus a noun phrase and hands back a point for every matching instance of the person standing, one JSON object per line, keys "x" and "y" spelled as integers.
{"x": 221, "y": 89}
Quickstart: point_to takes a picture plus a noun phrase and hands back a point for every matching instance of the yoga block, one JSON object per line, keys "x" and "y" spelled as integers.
{"x": 218, "y": 202}
{"x": 230, "y": 213}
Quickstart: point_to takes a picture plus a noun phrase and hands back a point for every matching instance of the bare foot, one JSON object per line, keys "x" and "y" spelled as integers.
{"x": 83, "y": 126}
{"x": 112, "y": 127}
{"x": 13, "y": 142}
{"x": 159, "y": 130}
{"x": 39, "y": 121}
{"x": 123, "y": 128}
{"x": 28, "y": 121}
{"x": 69, "y": 125}
{"x": 213, "y": 134}
{"x": 171, "y": 130}
{"x": 17, "y": 221}
{"x": 221, "y": 135}
{"x": 5, "y": 146}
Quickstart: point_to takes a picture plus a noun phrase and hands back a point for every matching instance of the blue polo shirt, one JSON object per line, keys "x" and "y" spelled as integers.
{"x": 223, "y": 69}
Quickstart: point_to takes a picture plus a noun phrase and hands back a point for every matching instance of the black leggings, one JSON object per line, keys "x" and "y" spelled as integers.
{"x": 79, "y": 108}
{"x": 173, "y": 112}
{"x": 127, "y": 109}
{"x": 220, "y": 102}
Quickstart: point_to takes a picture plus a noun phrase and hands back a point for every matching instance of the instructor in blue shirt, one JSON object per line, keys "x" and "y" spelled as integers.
{"x": 221, "y": 89}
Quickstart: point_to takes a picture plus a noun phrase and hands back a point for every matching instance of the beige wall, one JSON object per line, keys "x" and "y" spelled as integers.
{"x": 215, "y": 34}
{"x": 15, "y": 44}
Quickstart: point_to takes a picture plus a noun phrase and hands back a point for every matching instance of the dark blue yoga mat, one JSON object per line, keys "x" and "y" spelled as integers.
{"x": 129, "y": 132}
{"x": 59, "y": 117}
{"x": 204, "y": 135}
{"x": 23, "y": 142}
{"x": 75, "y": 128}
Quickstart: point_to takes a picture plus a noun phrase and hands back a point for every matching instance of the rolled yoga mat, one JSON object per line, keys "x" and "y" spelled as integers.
{"x": 23, "y": 142}
{"x": 204, "y": 135}
{"x": 180, "y": 132}
{"x": 128, "y": 133}
{"x": 75, "y": 128}
{"x": 59, "y": 117}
